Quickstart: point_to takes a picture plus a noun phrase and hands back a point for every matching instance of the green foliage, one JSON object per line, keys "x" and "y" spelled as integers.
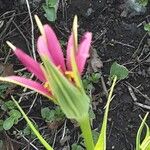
{"x": 3, "y": 88}
{"x": 27, "y": 131}
{"x": 75, "y": 146}
{"x": 95, "y": 136}
{"x": 50, "y": 7}
{"x": 52, "y": 115}
{"x": 8, "y": 123}
{"x": 33, "y": 128}
{"x": 9, "y": 105}
{"x": 90, "y": 79}
{"x": 143, "y": 2}
{"x": 118, "y": 70}
{"x": 14, "y": 115}
{"x": 145, "y": 144}
{"x": 147, "y": 27}
{"x": 91, "y": 114}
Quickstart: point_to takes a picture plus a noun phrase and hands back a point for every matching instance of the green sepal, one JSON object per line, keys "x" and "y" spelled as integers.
{"x": 72, "y": 100}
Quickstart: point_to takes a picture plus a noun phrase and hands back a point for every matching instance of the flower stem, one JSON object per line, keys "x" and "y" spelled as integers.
{"x": 87, "y": 132}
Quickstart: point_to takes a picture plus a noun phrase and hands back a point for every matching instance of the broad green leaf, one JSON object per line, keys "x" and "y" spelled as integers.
{"x": 50, "y": 13}
{"x": 36, "y": 132}
{"x": 73, "y": 102}
{"x": 143, "y": 2}
{"x": 95, "y": 77}
{"x": 50, "y": 8}
{"x": 52, "y": 115}
{"x": 47, "y": 114}
{"x": 4, "y": 86}
{"x": 147, "y": 27}
{"x": 51, "y": 3}
{"x": 15, "y": 114}
{"x": 10, "y": 105}
{"x": 8, "y": 123}
{"x": 13, "y": 119}
{"x": 118, "y": 70}
{"x": 76, "y": 147}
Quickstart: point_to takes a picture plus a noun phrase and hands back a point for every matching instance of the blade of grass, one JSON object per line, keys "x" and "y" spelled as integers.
{"x": 101, "y": 144}
{"x": 36, "y": 132}
{"x": 138, "y": 137}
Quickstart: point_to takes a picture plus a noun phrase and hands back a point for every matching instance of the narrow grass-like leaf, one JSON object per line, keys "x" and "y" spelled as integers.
{"x": 39, "y": 136}
{"x": 101, "y": 144}
{"x": 138, "y": 137}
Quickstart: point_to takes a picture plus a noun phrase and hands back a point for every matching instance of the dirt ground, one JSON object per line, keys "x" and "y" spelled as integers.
{"x": 118, "y": 35}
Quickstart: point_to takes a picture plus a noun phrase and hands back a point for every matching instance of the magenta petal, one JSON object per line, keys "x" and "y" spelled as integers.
{"x": 69, "y": 47}
{"x": 83, "y": 51}
{"x": 54, "y": 47}
{"x": 42, "y": 48}
{"x": 27, "y": 83}
{"x": 30, "y": 64}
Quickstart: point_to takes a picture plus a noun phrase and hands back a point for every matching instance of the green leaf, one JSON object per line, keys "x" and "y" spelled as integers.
{"x": 143, "y": 2}
{"x": 8, "y": 123}
{"x": 91, "y": 114}
{"x": 95, "y": 77}
{"x": 95, "y": 136}
{"x": 10, "y": 105}
{"x": 138, "y": 137}
{"x": 50, "y": 13}
{"x": 52, "y": 3}
{"x": 27, "y": 131}
{"x": 101, "y": 143}
{"x": 118, "y": 70}
{"x": 76, "y": 147}
{"x": 47, "y": 114}
{"x": 4, "y": 87}
{"x": 15, "y": 114}
{"x": 147, "y": 27}
{"x": 52, "y": 115}
{"x": 58, "y": 113}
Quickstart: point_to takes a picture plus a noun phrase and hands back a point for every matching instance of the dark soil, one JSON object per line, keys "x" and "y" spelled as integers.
{"x": 118, "y": 35}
